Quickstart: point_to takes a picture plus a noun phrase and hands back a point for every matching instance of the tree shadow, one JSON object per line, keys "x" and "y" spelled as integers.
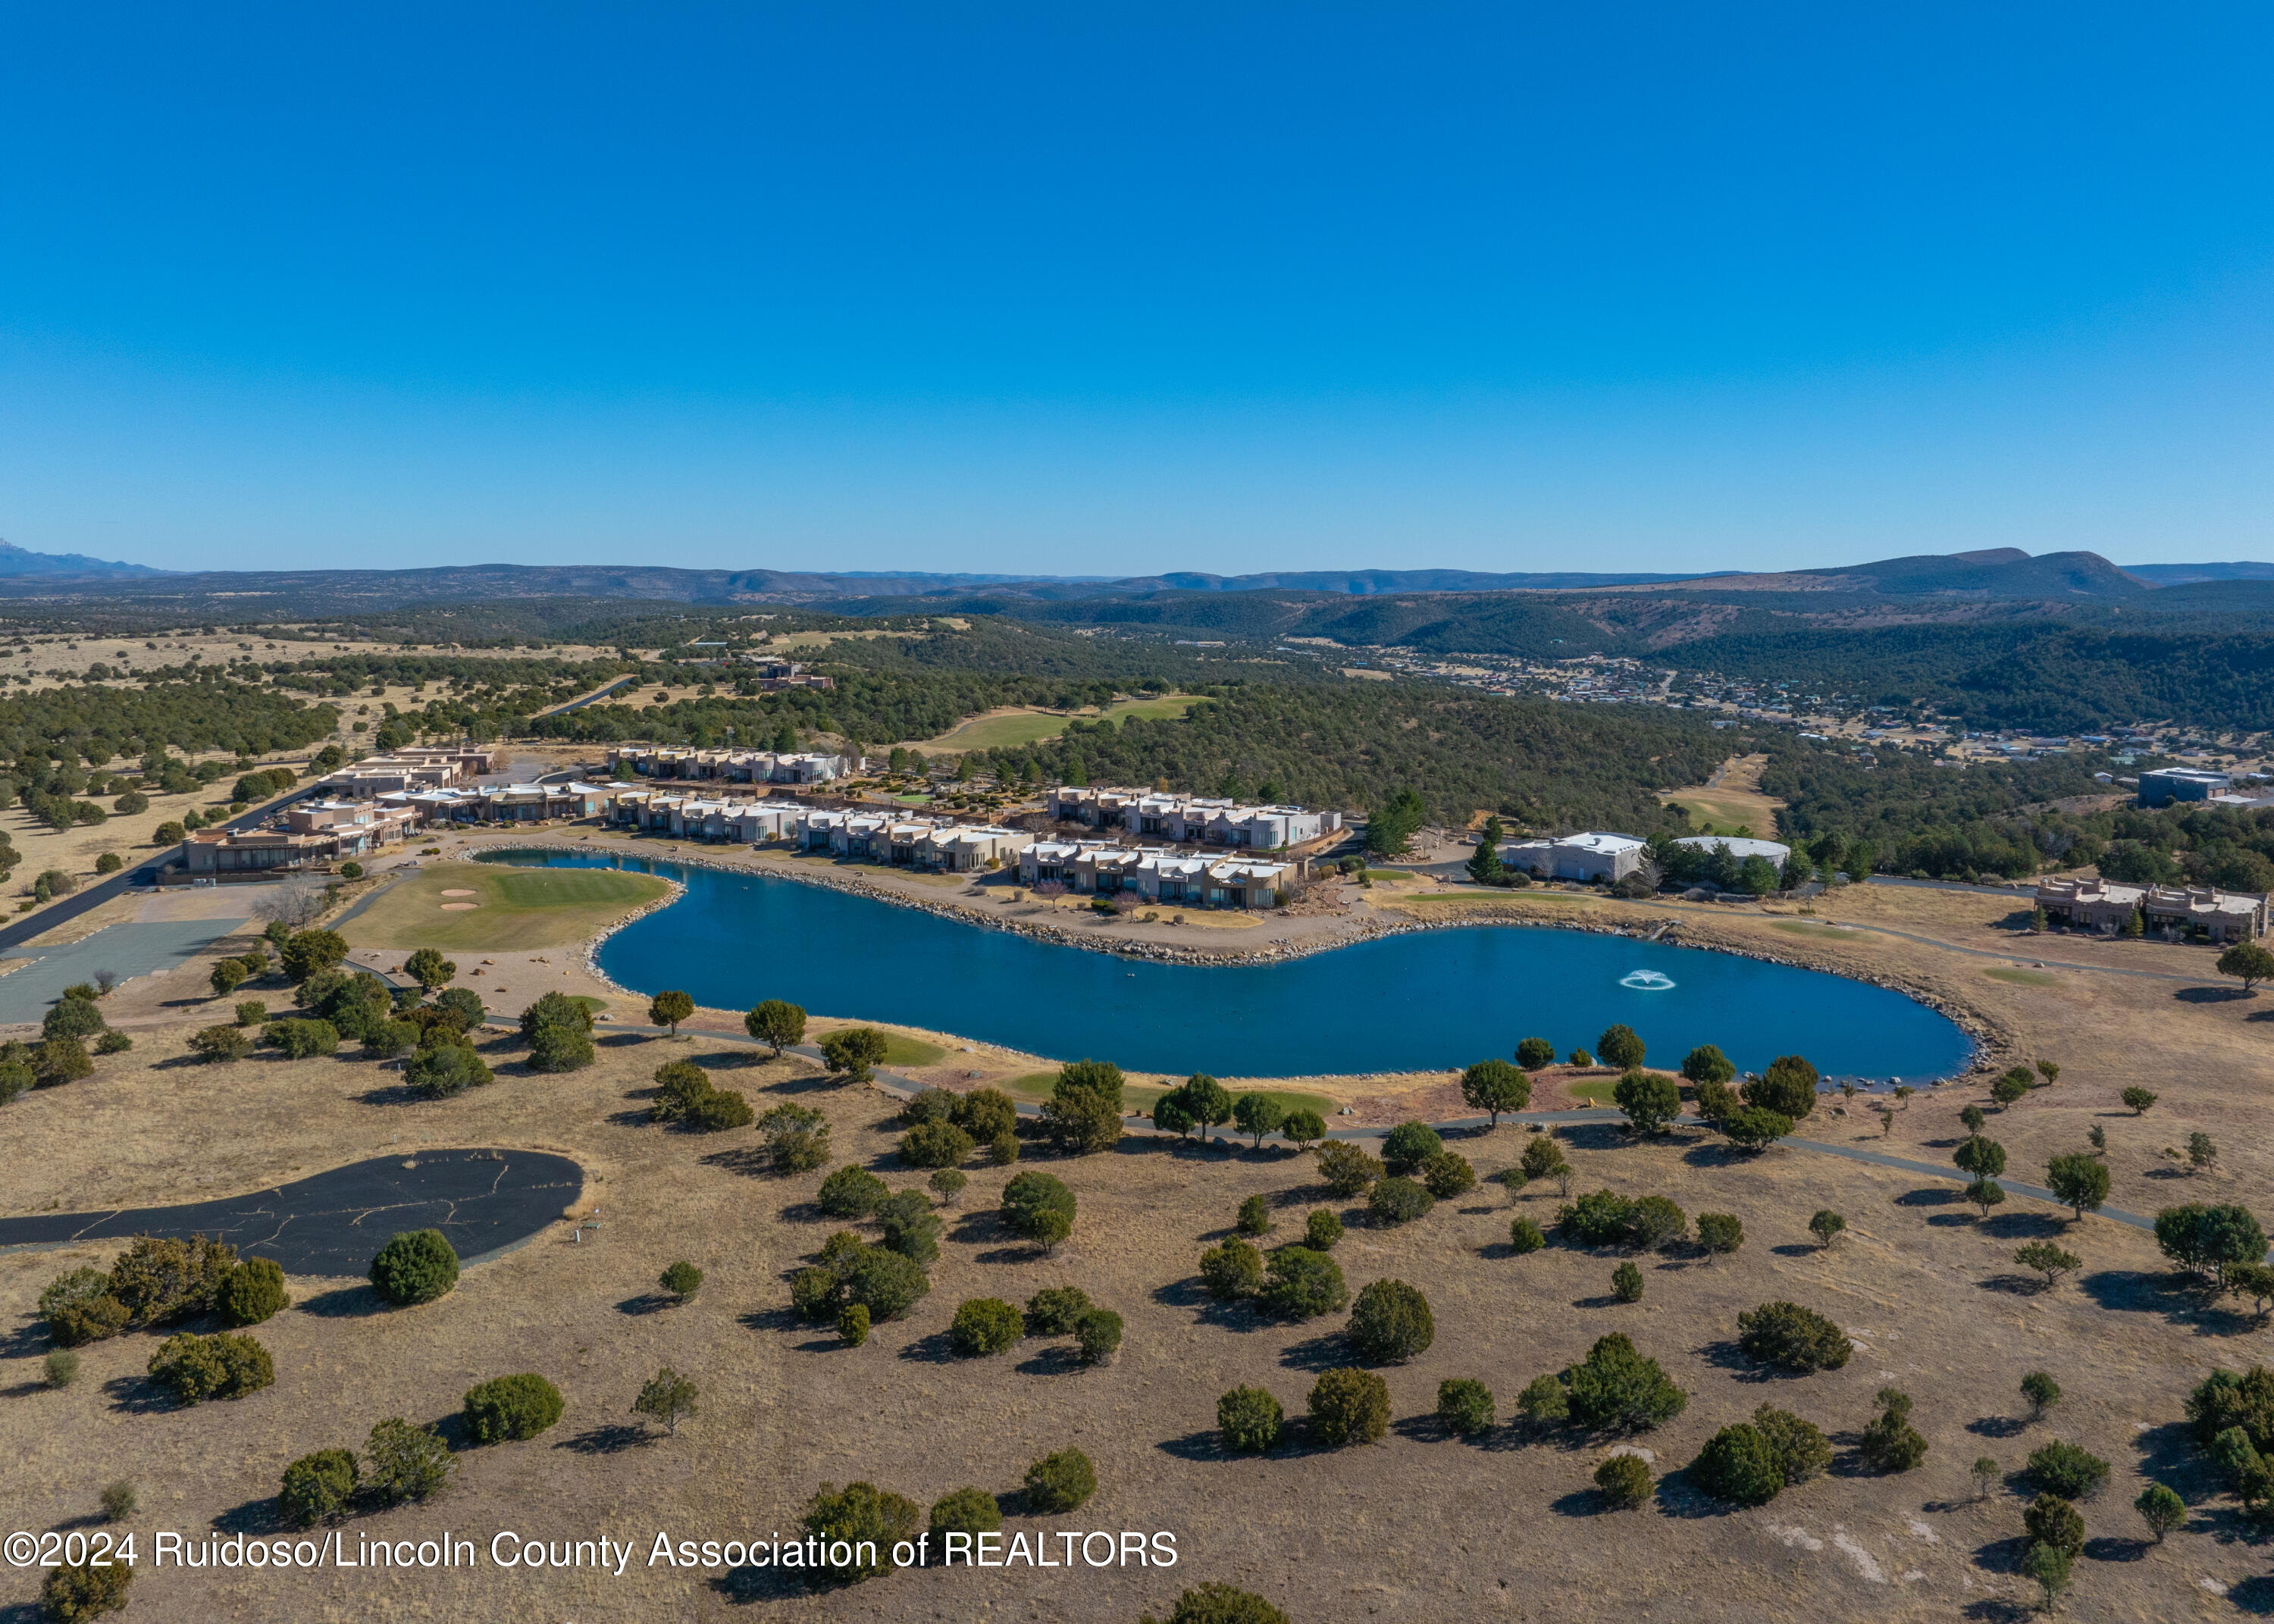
{"x": 1206, "y": 1444}
{"x": 646, "y": 1303}
{"x": 937, "y": 1348}
{"x": 2023, "y": 1227}
{"x": 2014, "y": 1285}
{"x": 2110, "y": 1549}
{"x": 2168, "y": 1455}
{"x": 138, "y": 1395}
{"x": 2253, "y": 1594}
{"x": 2179, "y": 1300}
{"x": 1953, "y": 1220}
{"x": 1728, "y": 1356}
{"x": 1605, "y": 1301}
{"x": 612, "y": 1437}
{"x": 391, "y": 1093}
{"x": 1795, "y": 1249}
{"x": 979, "y": 1225}
{"x": 1997, "y": 1610}
{"x": 782, "y": 1318}
{"x": 1680, "y": 1494}
{"x": 745, "y": 1161}
{"x": 254, "y": 1516}
{"x": 1940, "y": 1195}
{"x": 743, "y": 1587}
{"x": 2003, "y": 1556}
{"x": 1319, "y": 1353}
{"x": 2213, "y": 995}
{"x": 1998, "y": 1427}
{"x": 343, "y": 1302}
{"x": 1062, "y": 1360}
{"x": 638, "y": 1117}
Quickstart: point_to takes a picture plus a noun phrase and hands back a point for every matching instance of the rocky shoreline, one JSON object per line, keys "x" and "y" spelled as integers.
{"x": 1993, "y": 1046}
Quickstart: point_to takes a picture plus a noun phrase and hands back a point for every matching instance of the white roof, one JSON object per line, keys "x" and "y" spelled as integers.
{"x": 1739, "y": 847}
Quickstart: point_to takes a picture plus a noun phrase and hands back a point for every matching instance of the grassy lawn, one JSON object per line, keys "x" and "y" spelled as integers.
{"x": 2024, "y": 978}
{"x": 995, "y": 732}
{"x": 1599, "y": 1089}
{"x": 516, "y": 908}
{"x": 899, "y": 1051}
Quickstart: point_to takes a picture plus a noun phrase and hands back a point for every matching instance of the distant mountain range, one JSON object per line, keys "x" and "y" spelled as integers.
{"x": 2005, "y": 574}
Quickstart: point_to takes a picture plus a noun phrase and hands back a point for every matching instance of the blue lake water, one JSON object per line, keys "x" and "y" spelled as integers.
{"x": 1427, "y": 1000}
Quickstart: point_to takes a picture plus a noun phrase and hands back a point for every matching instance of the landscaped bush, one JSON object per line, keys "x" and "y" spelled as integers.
{"x": 1348, "y": 1407}
{"x": 1254, "y": 1217}
{"x": 1321, "y": 1229}
{"x": 1098, "y": 1335}
{"x": 306, "y": 952}
{"x": 1738, "y": 1464}
{"x": 871, "y": 1521}
{"x": 852, "y": 1191}
{"x": 302, "y": 1040}
{"x": 158, "y": 1280}
{"x": 252, "y": 1292}
{"x": 1524, "y": 1235}
{"x": 1465, "y": 1407}
{"x": 318, "y": 1488}
{"x": 1617, "y": 1386}
{"x": 2068, "y": 1470}
{"x": 934, "y": 1144}
{"x": 1793, "y": 1338}
{"x": 965, "y": 1511}
{"x": 680, "y": 1086}
{"x": 1409, "y": 1145}
{"x": 1346, "y": 1169}
{"x": 219, "y": 1045}
{"x": 511, "y": 1406}
{"x": 1038, "y": 1206}
{"x": 1799, "y": 1448}
{"x": 403, "y": 1463}
{"x": 1598, "y": 1219}
{"x": 415, "y": 1266}
{"x": 797, "y": 1137}
{"x": 1396, "y": 1200}
{"x": 1720, "y": 1233}
{"x": 1890, "y": 1442}
{"x": 80, "y": 1591}
{"x": 1233, "y": 1270}
{"x": 1055, "y": 1309}
{"x": 1448, "y": 1174}
{"x": 443, "y": 1068}
{"x": 195, "y": 1368}
{"x": 1303, "y": 1284}
{"x": 1249, "y": 1419}
{"x": 1061, "y": 1481}
{"x": 984, "y": 1113}
{"x": 1624, "y": 1480}
{"x": 1390, "y": 1322}
{"x": 682, "y": 1280}
{"x": 986, "y": 1324}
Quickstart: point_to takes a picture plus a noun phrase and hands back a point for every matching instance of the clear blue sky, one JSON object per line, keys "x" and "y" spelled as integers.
{"x": 1085, "y": 290}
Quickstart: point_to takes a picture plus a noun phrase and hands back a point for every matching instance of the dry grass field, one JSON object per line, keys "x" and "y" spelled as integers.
{"x": 1731, "y": 799}
{"x": 1422, "y": 1527}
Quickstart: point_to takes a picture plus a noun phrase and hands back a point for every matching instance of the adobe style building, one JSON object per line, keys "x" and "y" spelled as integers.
{"x": 2176, "y": 912}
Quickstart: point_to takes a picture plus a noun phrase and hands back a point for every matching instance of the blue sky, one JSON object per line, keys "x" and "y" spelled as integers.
{"x": 1092, "y": 290}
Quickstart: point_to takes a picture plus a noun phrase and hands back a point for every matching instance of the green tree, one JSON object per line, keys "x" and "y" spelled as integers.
{"x": 1321, "y": 1229}
{"x": 668, "y": 1009}
{"x": 1738, "y": 1464}
{"x": 2067, "y": 1469}
{"x": 1407, "y": 1145}
{"x": 1258, "y": 1113}
{"x": 863, "y": 1520}
{"x": 1982, "y": 1158}
{"x": 1799, "y": 1448}
{"x": 403, "y": 1463}
{"x": 1249, "y": 1420}
{"x": 776, "y": 1024}
{"x": 2044, "y": 1258}
{"x": 796, "y": 1137}
{"x": 1535, "y": 1054}
{"x": 2080, "y": 1180}
{"x": 1827, "y": 1226}
{"x": 1390, "y": 1323}
{"x": 1706, "y": 1064}
{"x": 1303, "y": 1284}
{"x": 415, "y": 1266}
{"x": 318, "y": 1488}
{"x": 682, "y": 1280}
{"x": 1399, "y": 1201}
{"x": 1217, "y": 1602}
{"x": 511, "y": 1408}
{"x": 1061, "y": 1481}
{"x": 429, "y": 969}
{"x": 1346, "y": 1169}
{"x": 1030, "y": 1199}
{"x": 1624, "y": 1481}
{"x": 1720, "y": 1233}
{"x": 2053, "y": 1520}
{"x": 1484, "y": 866}
{"x": 985, "y": 1324}
{"x": 2162, "y": 1511}
{"x": 1349, "y": 1406}
{"x": 75, "y": 1591}
{"x": 1391, "y": 826}
{"x": 854, "y": 1052}
{"x": 1890, "y": 1442}
{"x": 1466, "y": 1408}
{"x": 667, "y": 1399}
{"x": 1650, "y": 1100}
{"x": 1494, "y": 1086}
{"x": 2208, "y": 1241}
{"x": 227, "y": 975}
{"x": 2042, "y": 1392}
{"x": 308, "y": 952}
{"x": 1303, "y": 1127}
{"x": 965, "y": 1511}
{"x": 1620, "y": 1047}
{"x": 1254, "y": 1217}
{"x": 1617, "y": 1387}
{"x": 2048, "y": 1565}
{"x": 252, "y": 1292}
{"x": 1787, "y": 1087}
{"x": 1626, "y": 1283}
{"x": 2139, "y": 1100}
{"x": 1206, "y": 1101}
{"x": 2248, "y": 963}
{"x": 1787, "y": 1337}
{"x": 1233, "y": 1270}
{"x": 1526, "y": 1236}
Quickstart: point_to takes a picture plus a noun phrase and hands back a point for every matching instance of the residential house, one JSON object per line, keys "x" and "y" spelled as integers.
{"x": 1590, "y": 857}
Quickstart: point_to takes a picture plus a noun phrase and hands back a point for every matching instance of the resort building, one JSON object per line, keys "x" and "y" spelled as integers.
{"x": 1776, "y": 851}
{"x": 652, "y": 761}
{"x": 1590, "y": 857}
{"x": 2166, "y": 784}
{"x": 1190, "y": 820}
{"x": 500, "y": 803}
{"x": 1156, "y": 875}
{"x": 415, "y": 767}
{"x": 2174, "y": 912}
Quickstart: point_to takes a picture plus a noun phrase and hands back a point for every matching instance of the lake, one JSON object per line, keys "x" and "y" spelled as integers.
{"x": 1423, "y": 1001}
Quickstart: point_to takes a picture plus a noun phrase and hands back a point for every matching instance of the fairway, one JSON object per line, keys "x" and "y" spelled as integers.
{"x": 1730, "y": 801}
{"x": 1016, "y": 727}
{"x": 514, "y": 907}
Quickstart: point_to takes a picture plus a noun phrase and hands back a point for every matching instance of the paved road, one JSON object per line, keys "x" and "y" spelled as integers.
{"x": 593, "y": 698}
{"x": 144, "y": 873}
{"x": 485, "y": 1202}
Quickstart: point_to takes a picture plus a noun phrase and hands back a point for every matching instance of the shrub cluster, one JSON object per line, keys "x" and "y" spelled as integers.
{"x": 796, "y": 1137}
{"x": 1793, "y": 1338}
{"x": 1039, "y": 1207}
{"x": 1390, "y": 1322}
{"x": 850, "y": 1271}
{"x": 194, "y": 1368}
{"x": 511, "y": 1406}
{"x": 415, "y": 1266}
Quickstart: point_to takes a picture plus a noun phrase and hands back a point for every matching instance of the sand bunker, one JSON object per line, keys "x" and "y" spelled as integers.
{"x": 461, "y": 892}
{"x": 459, "y": 907}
